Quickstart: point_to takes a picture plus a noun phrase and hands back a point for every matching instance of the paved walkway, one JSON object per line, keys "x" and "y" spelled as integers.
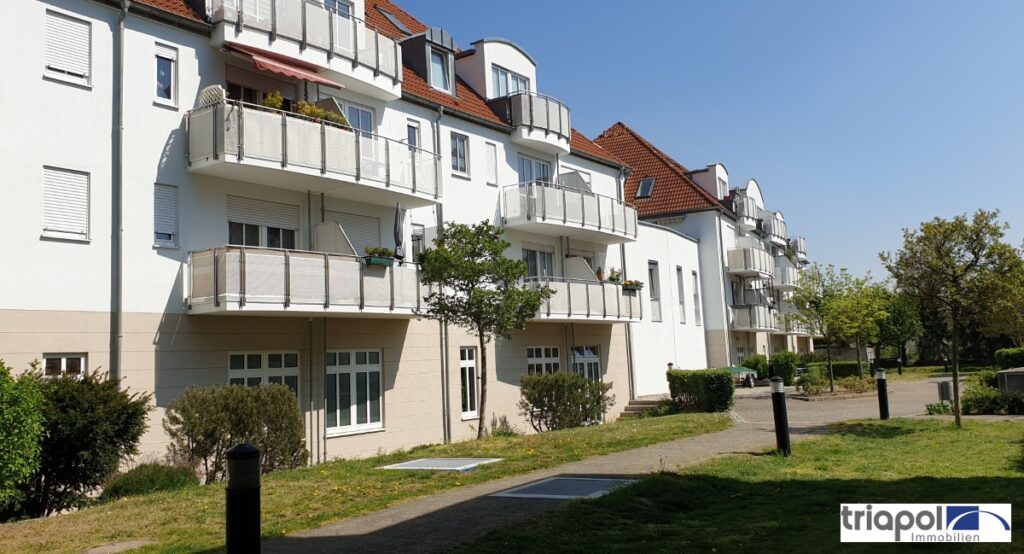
{"x": 445, "y": 520}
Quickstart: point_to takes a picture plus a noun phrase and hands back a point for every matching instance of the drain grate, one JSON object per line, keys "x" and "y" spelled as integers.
{"x": 563, "y": 488}
{"x": 443, "y": 464}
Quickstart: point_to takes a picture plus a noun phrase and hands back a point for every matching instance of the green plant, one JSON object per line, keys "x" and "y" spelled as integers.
{"x": 614, "y": 275}
{"x": 563, "y": 400}
{"x": 316, "y": 112}
{"x": 665, "y": 406}
{"x": 632, "y": 283}
{"x": 500, "y": 427}
{"x": 204, "y": 422}
{"x": 984, "y": 378}
{"x": 147, "y": 478}
{"x": 839, "y": 369}
{"x": 857, "y": 384}
{"x": 758, "y": 363}
{"x": 812, "y": 384}
{"x": 784, "y": 365}
{"x": 707, "y": 390}
{"x": 273, "y": 100}
{"x": 21, "y": 426}
{"x": 1007, "y": 358}
{"x": 939, "y": 408}
{"x": 812, "y": 357}
{"x": 379, "y": 251}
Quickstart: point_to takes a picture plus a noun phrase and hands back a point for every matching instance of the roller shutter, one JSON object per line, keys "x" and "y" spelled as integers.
{"x": 165, "y": 215}
{"x": 67, "y": 45}
{"x": 362, "y": 230}
{"x": 65, "y": 203}
{"x": 263, "y": 212}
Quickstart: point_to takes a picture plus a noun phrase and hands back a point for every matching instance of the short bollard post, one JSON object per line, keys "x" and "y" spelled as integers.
{"x": 243, "y": 499}
{"x": 781, "y": 418}
{"x": 883, "y": 395}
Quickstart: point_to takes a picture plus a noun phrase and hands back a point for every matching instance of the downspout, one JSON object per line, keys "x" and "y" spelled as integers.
{"x": 117, "y": 223}
{"x": 446, "y": 416}
{"x": 630, "y": 363}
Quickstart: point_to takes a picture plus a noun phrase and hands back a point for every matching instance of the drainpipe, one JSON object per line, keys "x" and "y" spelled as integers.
{"x": 446, "y": 416}
{"x": 630, "y": 363}
{"x": 117, "y": 270}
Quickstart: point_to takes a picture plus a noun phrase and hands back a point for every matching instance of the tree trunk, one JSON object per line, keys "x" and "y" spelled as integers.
{"x": 859, "y": 372}
{"x": 481, "y": 431}
{"x": 831, "y": 377}
{"x": 956, "y": 372}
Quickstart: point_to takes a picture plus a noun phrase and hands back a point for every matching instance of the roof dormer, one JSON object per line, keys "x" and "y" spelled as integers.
{"x": 497, "y": 67}
{"x": 432, "y": 56}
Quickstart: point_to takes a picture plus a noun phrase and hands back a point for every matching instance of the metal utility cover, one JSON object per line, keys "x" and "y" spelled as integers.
{"x": 443, "y": 464}
{"x": 563, "y": 488}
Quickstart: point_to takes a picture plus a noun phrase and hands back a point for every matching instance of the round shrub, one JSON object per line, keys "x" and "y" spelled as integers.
{"x": 147, "y": 478}
{"x": 857, "y": 384}
{"x": 562, "y": 400}
{"x": 758, "y": 363}
{"x": 1007, "y": 358}
{"x": 707, "y": 390}
{"x": 784, "y": 365}
{"x": 812, "y": 383}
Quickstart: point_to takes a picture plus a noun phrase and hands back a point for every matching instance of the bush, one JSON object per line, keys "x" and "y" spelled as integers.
{"x": 784, "y": 365}
{"x": 984, "y": 378}
{"x": 563, "y": 400}
{"x": 1007, "y": 358}
{"x": 857, "y": 384}
{"x": 707, "y": 390}
{"x": 204, "y": 422}
{"x": 21, "y": 425}
{"x": 91, "y": 426}
{"x": 665, "y": 406}
{"x": 379, "y": 251}
{"x": 147, "y": 478}
{"x": 500, "y": 427}
{"x": 812, "y": 384}
{"x": 939, "y": 408}
{"x": 274, "y": 100}
{"x": 758, "y": 363}
{"x": 316, "y": 112}
{"x": 839, "y": 369}
{"x": 817, "y": 356}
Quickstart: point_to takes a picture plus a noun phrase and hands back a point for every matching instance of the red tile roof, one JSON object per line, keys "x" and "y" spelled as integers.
{"x": 176, "y": 7}
{"x": 674, "y": 192}
{"x": 583, "y": 145}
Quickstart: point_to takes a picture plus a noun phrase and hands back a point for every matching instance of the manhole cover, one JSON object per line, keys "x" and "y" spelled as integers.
{"x": 566, "y": 488}
{"x": 443, "y": 464}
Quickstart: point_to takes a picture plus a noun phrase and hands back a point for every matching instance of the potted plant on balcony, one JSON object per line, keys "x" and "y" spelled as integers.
{"x": 380, "y": 256}
{"x": 632, "y": 285}
{"x": 614, "y": 275}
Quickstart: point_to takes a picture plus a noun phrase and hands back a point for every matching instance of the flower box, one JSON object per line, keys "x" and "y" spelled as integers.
{"x": 632, "y": 288}
{"x": 382, "y": 261}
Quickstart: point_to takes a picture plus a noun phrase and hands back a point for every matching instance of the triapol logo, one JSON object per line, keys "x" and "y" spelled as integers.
{"x": 925, "y": 523}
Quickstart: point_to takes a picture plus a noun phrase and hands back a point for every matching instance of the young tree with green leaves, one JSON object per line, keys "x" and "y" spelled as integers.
{"x": 21, "y": 425}
{"x": 859, "y": 308}
{"x": 951, "y": 264}
{"x": 475, "y": 286}
{"x": 1004, "y": 313}
{"x": 901, "y": 324}
{"x": 818, "y": 301}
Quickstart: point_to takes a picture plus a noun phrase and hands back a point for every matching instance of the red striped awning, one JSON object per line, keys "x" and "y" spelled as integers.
{"x": 266, "y": 60}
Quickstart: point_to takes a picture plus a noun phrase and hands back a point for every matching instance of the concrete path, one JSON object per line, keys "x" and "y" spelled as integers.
{"x": 445, "y": 520}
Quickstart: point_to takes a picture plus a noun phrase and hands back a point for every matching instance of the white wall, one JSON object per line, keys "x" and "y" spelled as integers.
{"x": 475, "y": 68}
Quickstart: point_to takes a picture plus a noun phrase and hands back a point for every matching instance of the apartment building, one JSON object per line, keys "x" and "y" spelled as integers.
{"x": 207, "y": 233}
{"x": 749, "y": 265}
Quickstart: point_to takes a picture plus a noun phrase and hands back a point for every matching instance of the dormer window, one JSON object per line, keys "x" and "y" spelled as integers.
{"x": 645, "y": 188}
{"x": 440, "y": 70}
{"x": 507, "y": 82}
{"x": 723, "y": 188}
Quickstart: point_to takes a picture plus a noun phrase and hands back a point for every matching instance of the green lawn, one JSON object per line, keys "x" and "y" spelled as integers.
{"x": 915, "y": 373}
{"x": 766, "y": 503}
{"x": 193, "y": 519}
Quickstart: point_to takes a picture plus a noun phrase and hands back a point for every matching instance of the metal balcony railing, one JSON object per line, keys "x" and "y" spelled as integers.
{"x": 552, "y": 203}
{"x": 243, "y": 131}
{"x": 786, "y": 277}
{"x": 799, "y": 247}
{"x": 775, "y": 228}
{"x": 754, "y": 318}
{"x": 315, "y": 25}
{"x": 579, "y": 299}
{"x": 534, "y": 111}
{"x": 751, "y": 262}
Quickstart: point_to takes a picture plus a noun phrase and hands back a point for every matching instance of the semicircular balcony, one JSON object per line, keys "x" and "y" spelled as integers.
{"x": 538, "y": 121}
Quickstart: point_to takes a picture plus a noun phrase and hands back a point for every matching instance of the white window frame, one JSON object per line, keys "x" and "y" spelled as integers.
{"x": 654, "y": 276}
{"x": 468, "y": 381}
{"x": 417, "y": 241}
{"x": 697, "y": 315}
{"x": 350, "y": 370}
{"x": 545, "y": 252}
{"x": 170, "y": 53}
{"x": 173, "y": 242}
{"x": 639, "y": 188}
{"x": 455, "y": 136}
{"x": 501, "y": 76}
{"x": 414, "y": 126}
{"x": 449, "y": 78}
{"x": 682, "y": 294}
{"x": 58, "y": 74}
{"x": 64, "y": 357}
{"x": 543, "y": 360}
{"x": 264, "y": 372}
{"x": 263, "y": 235}
{"x": 65, "y": 234}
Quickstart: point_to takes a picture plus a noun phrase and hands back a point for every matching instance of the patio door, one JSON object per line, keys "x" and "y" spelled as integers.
{"x": 586, "y": 361}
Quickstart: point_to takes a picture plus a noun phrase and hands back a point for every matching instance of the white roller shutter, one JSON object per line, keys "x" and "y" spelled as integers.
{"x": 492, "y": 163}
{"x": 260, "y": 81}
{"x": 65, "y": 203}
{"x": 68, "y": 43}
{"x": 262, "y": 212}
{"x": 165, "y": 214}
{"x": 362, "y": 230}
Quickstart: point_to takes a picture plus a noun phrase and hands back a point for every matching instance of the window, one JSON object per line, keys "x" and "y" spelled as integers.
{"x": 339, "y": 7}
{"x": 586, "y": 361}
{"x": 65, "y": 203}
{"x": 56, "y": 365}
{"x": 352, "y": 389}
{"x": 253, "y": 222}
{"x": 723, "y": 188}
{"x": 491, "y": 152}
{"x": 506, "y": 82}
{"x": 361, "y": 119}
{"x": 645, "y": 188}
{"x": 166, "y": 75}
{"x": 539, "y": 263}
{"x": 417, "y": 241}
{"x": 251, "y": 95}
{"x": 467, "y": 370}
{"x": 681, "y": 293}
{"x": 165, "y": 215}
{"x": 439, "y": 71}
{"x": 460, "y": 154}
{"x": 412, "y": 133}
{"x": 696, "y": 299}
{"x": 532, "y": 170}
{"x": 280, "y": 238}
{"x": 243, "y": 234}
{"x": 655, "y": 284}
{"x": 253, "y": 369}
{"x": 68, "y": 47}
{"x": 542, "y": 359}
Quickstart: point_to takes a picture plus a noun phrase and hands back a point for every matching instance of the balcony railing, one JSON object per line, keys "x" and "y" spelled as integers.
{"x": 534, "y": 111}
{"x": 234, "y": 131}
{"x": 581, "y": 300}
{"x": 314, "y": 25}
{"x": 786, "y": 277}
{"x": 753, "y": 318}
{"x": 747, "y": 212}
{"x": 753, "y": 297}
{"x": 775, "y": 228}
{"x": 751, "y": 262}
{"x": 799, "y": 246}
{"x": 237, "y": 279}
{"x": 571, "y": 210}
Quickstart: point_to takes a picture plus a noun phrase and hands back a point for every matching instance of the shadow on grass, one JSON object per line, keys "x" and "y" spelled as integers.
{"x": 871, "y": 430}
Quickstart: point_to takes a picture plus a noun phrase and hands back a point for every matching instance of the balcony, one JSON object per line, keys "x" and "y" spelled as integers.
{"x": 786, "y": 277}
{"x": 354, "y": 53}
{"x": 747, "y": 213}
{"x": 551, "y": 209}
{"x": 753, "y": 318}
{"x": 539, "y": 122}
{"x": 253, "y": 144}
{"x": 580, "y": 301}
{"x": 266, "y": 281}
{"x": 751, "y": 262}
{"x": 799, "y": 247}
{"x": 775, "y": 228}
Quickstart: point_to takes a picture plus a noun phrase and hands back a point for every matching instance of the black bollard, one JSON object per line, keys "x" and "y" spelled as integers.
{"x": 243, "y": 499}
{"x": 781, "y": 418}
{"x": 883, "y": 395}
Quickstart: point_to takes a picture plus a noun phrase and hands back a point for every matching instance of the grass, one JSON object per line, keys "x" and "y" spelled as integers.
{"x": 758, "y": 502}
{"x": 192, "y": 519}
{"x": 917, "y": 373}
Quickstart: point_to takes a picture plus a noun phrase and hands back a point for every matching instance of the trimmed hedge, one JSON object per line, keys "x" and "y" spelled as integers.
{"x": 1007, "y": 358}
{"x": 147, "y": 478}
{"x": 784, "y": 365}
{"x": 839, "y": 369}
{"x": 707, "y": 390}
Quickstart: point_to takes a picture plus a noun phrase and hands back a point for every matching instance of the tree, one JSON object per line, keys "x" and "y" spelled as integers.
{"x": 901, "y": 324}
{"x": 1004, "y": 312}
{"x": 21, "y": 425}
{"x": 476, "y": 287}
{"x": 859, "y": 308}
{"x": 950, "y": 264}
{"x": 818, "y": 300}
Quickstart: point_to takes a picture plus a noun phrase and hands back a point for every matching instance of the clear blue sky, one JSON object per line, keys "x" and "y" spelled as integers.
{"x": 857, "y": 118}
